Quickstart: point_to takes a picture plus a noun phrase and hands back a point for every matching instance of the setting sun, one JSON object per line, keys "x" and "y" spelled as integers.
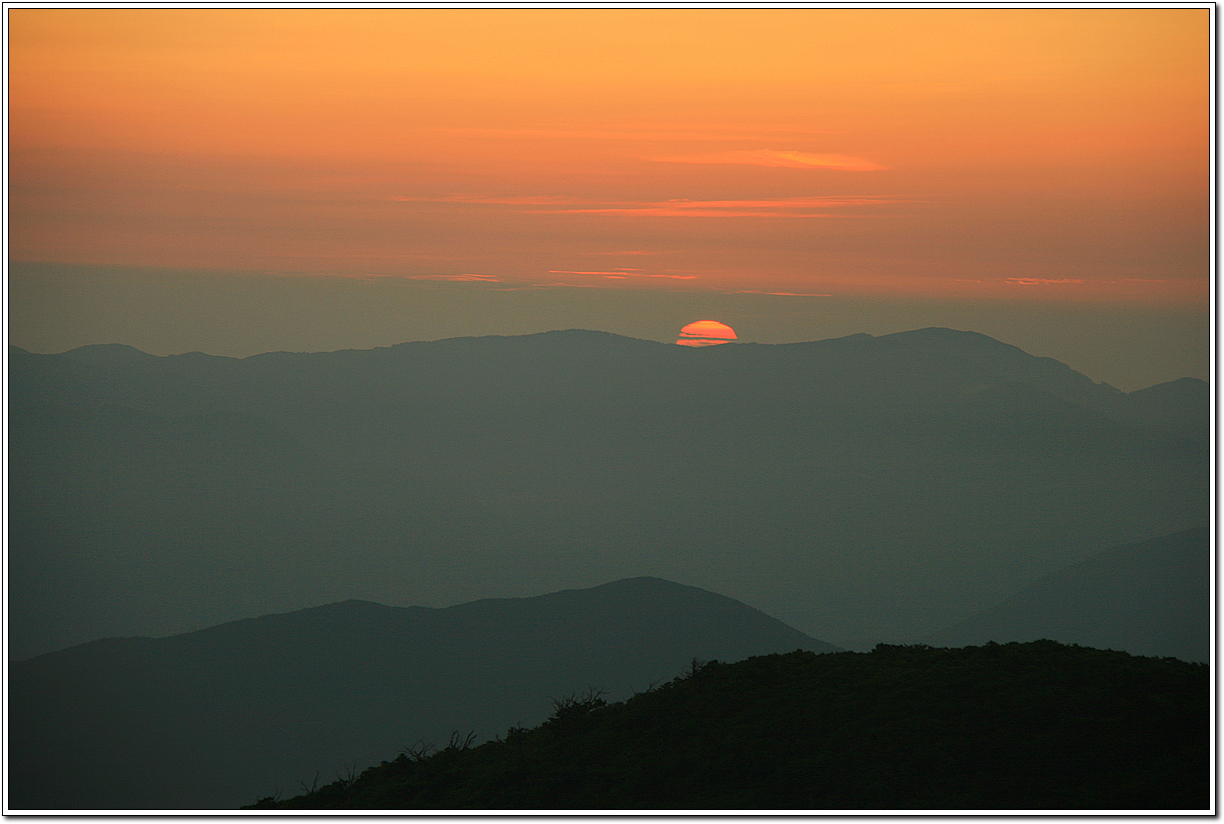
{"x": 706, "y": 333}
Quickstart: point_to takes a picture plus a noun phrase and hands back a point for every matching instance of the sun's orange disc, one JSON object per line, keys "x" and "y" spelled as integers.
{"x": 706, "y": 333}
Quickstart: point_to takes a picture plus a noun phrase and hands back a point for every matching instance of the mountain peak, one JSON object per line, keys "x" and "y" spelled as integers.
{"x": 943, "y": 339}
{"x": 107, "y": 353}
{"x": 945, "y": 333}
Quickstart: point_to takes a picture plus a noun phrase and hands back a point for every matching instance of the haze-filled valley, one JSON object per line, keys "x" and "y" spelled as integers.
{"x": 636, "y": 502}
{"x": 860, "y": 489}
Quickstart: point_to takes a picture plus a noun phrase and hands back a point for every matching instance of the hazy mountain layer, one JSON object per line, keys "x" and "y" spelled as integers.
{"x": 1150, "y": 598}
{"x": 860, "y": 488}
{"x": 223, "y": 716}
{"x": 1035, "y": 726}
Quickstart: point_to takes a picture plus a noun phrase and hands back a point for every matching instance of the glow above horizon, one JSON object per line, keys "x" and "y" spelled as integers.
{"x": 1018, "y": 154}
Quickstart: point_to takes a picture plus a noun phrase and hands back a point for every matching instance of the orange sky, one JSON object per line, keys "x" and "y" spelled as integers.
{"x": 995, "y": 153}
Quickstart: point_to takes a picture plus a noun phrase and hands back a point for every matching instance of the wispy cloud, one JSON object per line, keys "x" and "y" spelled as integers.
{"x": 793, "y": 207}
{"x": 773, "y": 157}
{"x": 460, "y": 278}
{"x": 528, "y": 286}
{"x": 654, "y": 135}
{"x": 700, "y": 342}
{"x": 782, "y": 294}
{"x": 556, "y": 278}
{"x": 615, "y": 272}
{"x": 494, "y": 200}
{"x": 621, "y": 274}
{"x": 1041, "y": 281}
{"x": 696, "y": 209}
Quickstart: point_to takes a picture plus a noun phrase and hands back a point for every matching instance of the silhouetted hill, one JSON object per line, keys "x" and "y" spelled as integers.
{"x": 221, "y": 716}
{"x": 864, "y": 488}
{"x": 1036, "y": 726}
{"x": 1183, "y": 405}
{"x": 104, "y": 354}
{"x": 1004, "y": 362}
{"x": 1149, "y": 598}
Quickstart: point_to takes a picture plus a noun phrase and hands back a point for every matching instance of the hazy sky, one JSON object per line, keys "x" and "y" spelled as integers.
{"x": 241, "y": 180}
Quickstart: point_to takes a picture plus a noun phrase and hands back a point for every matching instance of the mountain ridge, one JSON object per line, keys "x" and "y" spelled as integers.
{"x": 639, "y": 586}
{"x": 924, "y": 336}
{"x": 348, "y": 680}
{"x": 1148, "y": 598}
{"x": 487, "y": 467}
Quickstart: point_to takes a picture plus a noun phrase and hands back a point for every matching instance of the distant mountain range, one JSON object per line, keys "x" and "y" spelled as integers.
{"x": 860, "y": 489}
{"x": 1149, "y": 598}
{"x": 221, "y": 717}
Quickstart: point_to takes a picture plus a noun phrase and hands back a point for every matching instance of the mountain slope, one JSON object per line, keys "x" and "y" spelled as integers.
{"x": 1149, "y": 598}
{"x": 219, "y": 717}
{"x": 1036, "y": 726}
{"x": 1183, "y": 405}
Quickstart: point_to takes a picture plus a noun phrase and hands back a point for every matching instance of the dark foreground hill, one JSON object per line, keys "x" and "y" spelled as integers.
{"x": 220, "y": 717}
{"x": 1037, "y": 726}
{"x": 1149, "y": 598}
{"x": 860, "y": 489}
